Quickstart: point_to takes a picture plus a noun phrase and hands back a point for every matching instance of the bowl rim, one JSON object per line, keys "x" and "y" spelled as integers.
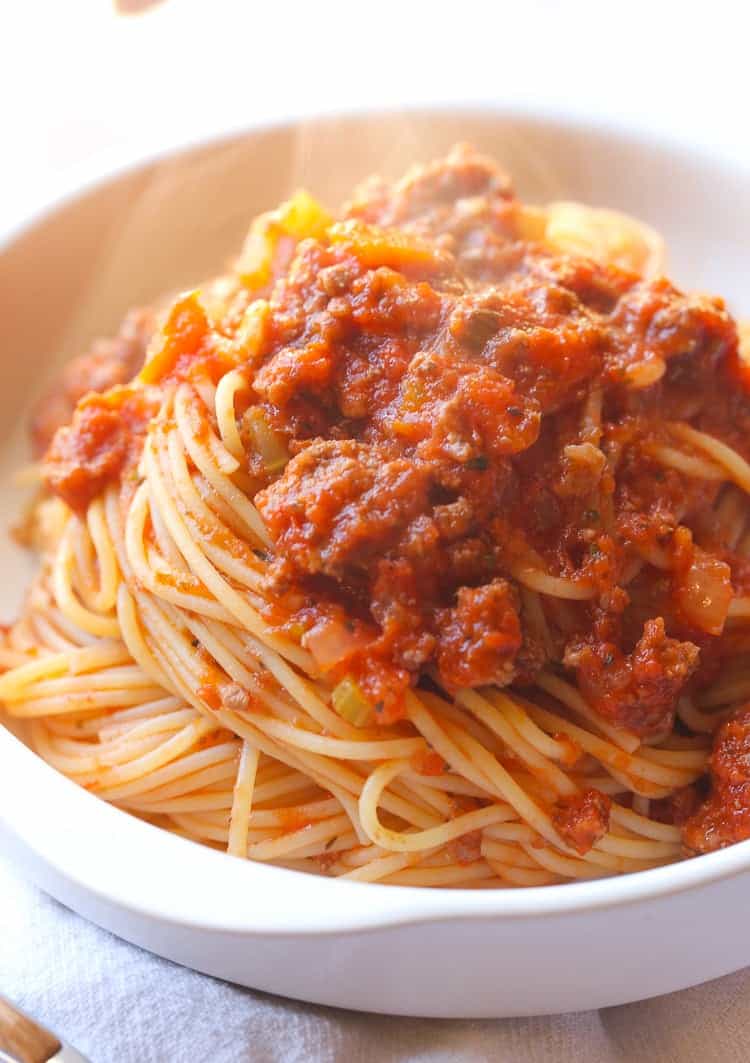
{"x": 89, "y": 844}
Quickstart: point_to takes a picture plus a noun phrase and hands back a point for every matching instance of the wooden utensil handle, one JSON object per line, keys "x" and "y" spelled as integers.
{"x": 21, "y": 1038}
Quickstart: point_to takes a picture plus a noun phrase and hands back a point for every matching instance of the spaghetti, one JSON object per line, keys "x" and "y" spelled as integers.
{"x": 415, "y": 552}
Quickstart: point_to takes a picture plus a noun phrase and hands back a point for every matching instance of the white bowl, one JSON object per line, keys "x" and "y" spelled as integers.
{"x": 66, "y": 275}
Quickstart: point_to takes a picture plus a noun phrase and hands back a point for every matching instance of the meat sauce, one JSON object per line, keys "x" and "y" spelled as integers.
{"x": 108, "y": 364}
{"x": 461, "y": 404}
{"x": 583, "y": 819}
{"x": 103, "y": 441}
{"x": 434, "y": 379}
{"x": 724, "y": 818}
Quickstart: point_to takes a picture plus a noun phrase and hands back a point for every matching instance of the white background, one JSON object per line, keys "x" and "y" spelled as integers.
{"x": 76, "y": 80}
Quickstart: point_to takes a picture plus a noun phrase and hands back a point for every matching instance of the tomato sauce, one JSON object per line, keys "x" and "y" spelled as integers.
{"x": 103, "y": 441}
{"x": 725, "y": 817}
{"x": 109, "y": 363}
{"x": 583, "y": 819}
{"x": 436, "y": 407}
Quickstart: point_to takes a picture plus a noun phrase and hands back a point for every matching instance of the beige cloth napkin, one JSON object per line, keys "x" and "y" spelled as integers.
{"x": 119, "y": 1004}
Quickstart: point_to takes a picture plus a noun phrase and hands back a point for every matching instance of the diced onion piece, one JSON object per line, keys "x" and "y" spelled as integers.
{"x": 531, "y": 222}
{"x": 350, "y": 703}
{"x": 302, "y": 216}
{"x": 704, "y": 593}
{"x": 743, "y": 331}
{"x": 331, "y": 641}
{"x": 252, "y": 329}
{"x": 294, "y": 630}
{"x": 645, "y": 373}
{"x": 216, "y": 296}
{"x": 254, "y": 264}
{"x": 180, "y": 338}
{"x": 269, "y": 444}
{"x": 298, "y": 218}
{"x": 375, "y": 246}
{"x": 606, "y": 235}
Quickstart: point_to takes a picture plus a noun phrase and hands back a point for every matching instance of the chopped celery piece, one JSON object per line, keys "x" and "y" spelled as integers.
{"x": 269, "y": 444}
{"x": 350, "y": 703}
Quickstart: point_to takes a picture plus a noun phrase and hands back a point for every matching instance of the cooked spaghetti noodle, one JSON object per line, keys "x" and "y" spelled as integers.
{"x": 414, "y": 552}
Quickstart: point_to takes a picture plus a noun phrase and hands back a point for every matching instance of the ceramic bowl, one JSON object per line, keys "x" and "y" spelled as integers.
{"x": 117, "y": 239}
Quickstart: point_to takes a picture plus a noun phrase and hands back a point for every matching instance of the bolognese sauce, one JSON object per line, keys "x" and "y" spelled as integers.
{"x": 438, "y": 412}
{"x": 108, "y": 364}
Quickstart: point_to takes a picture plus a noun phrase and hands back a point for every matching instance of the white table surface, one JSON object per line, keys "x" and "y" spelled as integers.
{"x": 78, "y": 83}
